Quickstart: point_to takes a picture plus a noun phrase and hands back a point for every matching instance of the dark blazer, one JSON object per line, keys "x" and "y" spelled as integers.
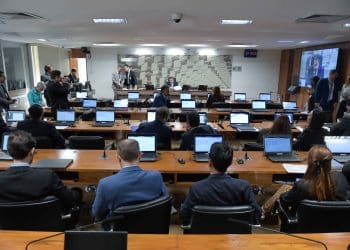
{"x": 187, "y": 142}
{"x": 58, "y": 95}
{"x": 41, "y": 128}
{"x": 211, "y": 100}
{"x": 310, "y": 137}
{"x": 161, "y": 101}
{"x": 131, "y": 80}
{"x": 342, "y": 128}
{"x": 163, "y": 133}
{"x": 299, "y": 192}
{"x": 4, "y": 97}
{"x": 218, "y": 190}
{"x": 322, "y": 93}
{"x": 72, "y": 79}
{"x": 26, "y": 184}
{"x": 3, "y": 127}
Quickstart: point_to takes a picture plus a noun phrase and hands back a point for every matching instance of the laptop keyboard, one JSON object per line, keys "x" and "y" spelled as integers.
{"x": 284, "y": 158}
{"x": 104, "y": 124}
{"x": 201, "y": 157}
{"x": 341, "y": 158}
{"x": 5, "y": 156}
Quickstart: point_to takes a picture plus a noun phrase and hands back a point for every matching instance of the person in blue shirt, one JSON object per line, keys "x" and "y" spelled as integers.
{"x": 35, "y": 95}
{"x": 162, "y": 99}
{"x": 131, "y": 185}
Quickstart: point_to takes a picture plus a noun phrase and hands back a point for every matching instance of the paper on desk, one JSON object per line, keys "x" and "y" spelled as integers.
{"x": 295, "y": 168}
{"x": 61, "y": 127}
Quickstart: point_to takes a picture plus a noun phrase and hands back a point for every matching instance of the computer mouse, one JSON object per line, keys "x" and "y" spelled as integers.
{"x": 240, "y": 161}
{"x": 181, "y": 161}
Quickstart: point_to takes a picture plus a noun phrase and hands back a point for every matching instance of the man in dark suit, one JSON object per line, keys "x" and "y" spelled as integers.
{"x": 38, "y": 128}
{"x": 20, "y": 182}
{"x": 327, "y": 92}
{"x": 5, "y": 99}
{"x": 162, "y": 98}
{"x": 158, "y": 127}
{"x": 219, "y": 189}
{"x": 130, "y": 77}
{"x": 193, "y": 127}
{"x": 172, "y": 82}
{"x": 130, "y": 185}
{"x": 57, "y": 91}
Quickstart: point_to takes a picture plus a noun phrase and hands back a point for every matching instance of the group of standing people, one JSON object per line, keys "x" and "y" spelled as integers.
{"x": 123, "y": 77}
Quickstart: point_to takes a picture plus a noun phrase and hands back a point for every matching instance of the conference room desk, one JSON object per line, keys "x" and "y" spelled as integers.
{"x": 17, "y": 240}
{"x": 90, "y": 166}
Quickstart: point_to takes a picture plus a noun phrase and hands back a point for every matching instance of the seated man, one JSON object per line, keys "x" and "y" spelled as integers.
{"x": 219, "y": 189}
{"x": 162, "y": 99}
{"x": 20, "y": 182}
{"x": 193, "y": 127}
{"x": 35, "y": 95}
{"x": 39, "y": 128}
{"x": 342, "y": 128}
{"x": 158, "y": 127}
{"x": 131, "y": 185}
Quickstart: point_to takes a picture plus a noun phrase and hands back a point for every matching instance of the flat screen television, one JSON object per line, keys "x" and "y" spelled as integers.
{"x": 317, "y": 63}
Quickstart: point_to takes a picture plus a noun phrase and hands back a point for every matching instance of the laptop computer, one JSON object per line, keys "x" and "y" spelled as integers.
{"x": 340, "y": 147}
{"x": 65, "y": 118}
{"x": 147, "y": 144}
{"x": 52, "y": 163}
{"x": 203, "y": 118}
{"x": 185, "y": 96}
{"x": 133, "y": 96}
{"x": 259, "y": 105}
{"x": 265, "y": 96}
{"x": 278, "y": 148}
{"x": 240, "y": 97}
{"x": 4, "y": 155}
{"x": 188, "y": 104}
{"x": 81, "y": 95}
{"x": 92, "y": 240}
{"x": 121, "y": 104}
{"x": 202, "y": 144}
{"x": 290, "y": 106}
{"x": 151, "y": 115}
{"x": 15, "y": 116}
{"x": 104, "y": 118}
{"x": 240, "y": 121}
{"x": 89, "y": 103}
{"x": 289, "y": 115}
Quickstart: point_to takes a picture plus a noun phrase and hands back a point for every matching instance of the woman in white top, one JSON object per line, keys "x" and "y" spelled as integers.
{"x": 343, "y": 98}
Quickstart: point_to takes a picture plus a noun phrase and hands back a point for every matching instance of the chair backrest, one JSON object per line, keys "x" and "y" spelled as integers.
{"x": 43, "y": 142}
{"x": 253, "y": 146}
{"x": 221, "y": 105}
{"x": 323, "y": 216}
{"x": 40, "y": 215}
{"x": 149, "y": 86}
{"x": 86, "y": 142}
{"x": 152, "y": 217}
{"x": 216, "y": 219}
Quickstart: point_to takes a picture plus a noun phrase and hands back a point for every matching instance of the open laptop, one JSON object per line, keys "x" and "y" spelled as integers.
{"x": 240, "y": 121}
{"x": 151, "y": 115}
{"x": 89, "y": 103}
{"x": 185, "y": 96}
{"x": 289, "y": 115}
{"x": 202, "y": 144}
{"x": 340, "y": 147}
{"x": 259, "y": 105}
{"x": 52, "y": 163}
{"x": 104, "y": 118}
{"x": 81, "y": 95}
{"x": 121, "y": 104}
{"x": 4, "y": 155}
{"x": 147, "y": 144}
{"x": 65, "y": 118}
{"x": 278, "y": 148}
{"x": 133, "y": 96}
{"x": 188, "y": 104}
{"x": 203, "y": 118}
{"x": 265, "y": 97}
{"x": 240, "y": 97}
{"x": 15, "y": 116}
{"x": 290, "y": 106}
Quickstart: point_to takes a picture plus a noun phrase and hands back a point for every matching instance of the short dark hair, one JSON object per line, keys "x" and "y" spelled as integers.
{"x": 165, "y": 86}
{"x": 55, "y": 73}
{"x": 73, "y": 70}
{"x": 35, "y": 111}
{"x": 2, "y": 74}
{"x": 162, "y": 114}
{"x": 126, "y": 65}
{"x": 193, "y": 119}
{"x": 128, "y": 150}
{"x": 47, "y": 68}
{"x": 221, "y": 155}
{"x": 332, "y": 72}
{"x": 19, "y": 144}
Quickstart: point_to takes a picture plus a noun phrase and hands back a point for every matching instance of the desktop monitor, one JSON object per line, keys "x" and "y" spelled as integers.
{"x": 265, "y": 96}
{"x": 65, "y": 115}
{"x": 133, "y": 95}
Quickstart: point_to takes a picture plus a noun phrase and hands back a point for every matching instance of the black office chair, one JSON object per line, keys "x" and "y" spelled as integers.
{"x": 86, "y": 142}
{"x": 253, "y": 146}
{"x": 216, "y": 220}
{"x": 149, "y": 86}
{"x": 152, "y": 217}
{"x": 221, "y": 105}
{"x": 203, "y": 87}
{"x": 43, "y": 142}
{"x": 41, "y": 215}
{"x": 316, "y": 217}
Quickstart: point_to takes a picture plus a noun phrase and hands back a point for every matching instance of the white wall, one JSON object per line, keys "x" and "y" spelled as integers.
{"x": 56, "y": 57}
{"x": 258, "y": 74}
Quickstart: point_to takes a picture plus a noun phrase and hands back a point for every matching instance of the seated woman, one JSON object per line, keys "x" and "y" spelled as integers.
{"x": 318, "y": 183}
{"x": 216, "y": 96}
{"x": 314, "y": 134}
{"x": 281, "y": 126}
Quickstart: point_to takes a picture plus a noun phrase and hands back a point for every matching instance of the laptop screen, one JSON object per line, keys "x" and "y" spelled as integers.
{"x": 203, "y": 143}
{"x": 289, "y": 105}
{"x": 66, "y": 116}
{"x": 275, "y": 144}
{"x": 258, "y": 105}
{"x": 338, "y": 144}
{"x": 81, "y": 95}
{"x": 203, "y": 119}
{"x": 122, "y": 103}
{"x": 5, "y": 140}
{"x": 239, "y": 118}
{"x": 290, "y": 116}
{"x": 188, "y": 104}
{"x": 185, "y": 96}
{"x": 240, "y": 96}
{"x": 133, "y": 95}
{"x": 147, "y": 143}
{"x": 265, "y": 96}
{"x": 151, "y": 116}
{"x": 104, "y": 116}
{"x": 16, "y": 115}
{"x": 89, "y": 103}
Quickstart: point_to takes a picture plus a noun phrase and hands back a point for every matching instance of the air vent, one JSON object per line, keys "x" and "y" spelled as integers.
{"x": 316, "y": 18}
{"x": 7, "y": 16}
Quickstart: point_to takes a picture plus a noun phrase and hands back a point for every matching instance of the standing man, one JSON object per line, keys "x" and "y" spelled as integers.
{"x": 5, "y": 99}
{"x": 45, "y": 78}
{"x": 58, "y": 91}
{"x": 130, "y": 77}
{"x": 35, "y": 95}
{"x": 72, "y": 77}
{"x": 118, "y": 78}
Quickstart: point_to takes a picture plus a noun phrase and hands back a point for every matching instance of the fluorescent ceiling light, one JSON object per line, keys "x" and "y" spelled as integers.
{"x": 347, "y": 25}
{"x": 143, "y": 51}
{"x": 41, "y": 40}
{"x": 107, "y": 44}
{"x": 152, "y": 45}
{"x": 285, "y": 41}
{"x": 304, "y": 42}
{"x": 110, "y": 20}
{"x": 195, "y": 45}
{"x": 241, "y": 46}
{"x": 236, "y": 21}
{"x": 175, "y": 52}
{"x": 206, "y": 52}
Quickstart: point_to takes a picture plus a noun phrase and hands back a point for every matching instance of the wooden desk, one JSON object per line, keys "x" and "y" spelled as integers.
{"x": 17, "y": 240}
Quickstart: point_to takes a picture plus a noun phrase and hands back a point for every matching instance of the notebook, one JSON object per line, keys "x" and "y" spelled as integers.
{"x": 240, "y": 121}
{"x": 15, "y": 116}
{"x": 4, "y": 155}
{"x": 52, "y": 163}
{"x": 65, "y": 118}
{"x": 202, "y": 145}
{"x": 147, "y": 144}
{"x": 259, "y": 105}
{"x": 122, "y": 104}
{"x": 240, "y": 97}
{"x": 278, "y": 148}
{"x": 104, "y": 118}
{"x": 340, "y": 147}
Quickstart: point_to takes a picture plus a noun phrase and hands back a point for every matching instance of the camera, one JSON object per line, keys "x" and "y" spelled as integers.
{"x": 176, "y": 17}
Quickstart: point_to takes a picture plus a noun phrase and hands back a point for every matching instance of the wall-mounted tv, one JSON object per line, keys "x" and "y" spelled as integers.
{"x": 317, "y": 63}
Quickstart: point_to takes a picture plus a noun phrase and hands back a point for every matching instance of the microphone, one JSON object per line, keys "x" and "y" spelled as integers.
{"x": 104, "y": 155}
{"x": 276, "y": 231}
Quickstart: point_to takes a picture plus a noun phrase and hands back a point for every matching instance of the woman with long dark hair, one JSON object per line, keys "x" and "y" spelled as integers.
{"x": 281, "y": 126}
{"x": 215, "y": 96}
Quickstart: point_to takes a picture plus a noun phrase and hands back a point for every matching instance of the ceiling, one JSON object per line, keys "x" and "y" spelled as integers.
{"x": 149, "y": 21}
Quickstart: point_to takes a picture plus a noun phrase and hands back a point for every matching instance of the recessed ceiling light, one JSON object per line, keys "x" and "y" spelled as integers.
{"x": 236, "y": 21}
{"x": 241, "y": 46}
{"x": 143, "y": 51}
{"x": 206, "y": 52}
{"x": 347, "y": 25}
{"x": 304, "y": 42}
{"x": 175, "y": 52}
{"x": 41, "y": 40}
{"x": 285, "y": 41}
{"x": 195, "y": 45}
{"x": 152, "y": 45}
{"x": 110, "y": 20}
{"x": 107, "y": 44}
